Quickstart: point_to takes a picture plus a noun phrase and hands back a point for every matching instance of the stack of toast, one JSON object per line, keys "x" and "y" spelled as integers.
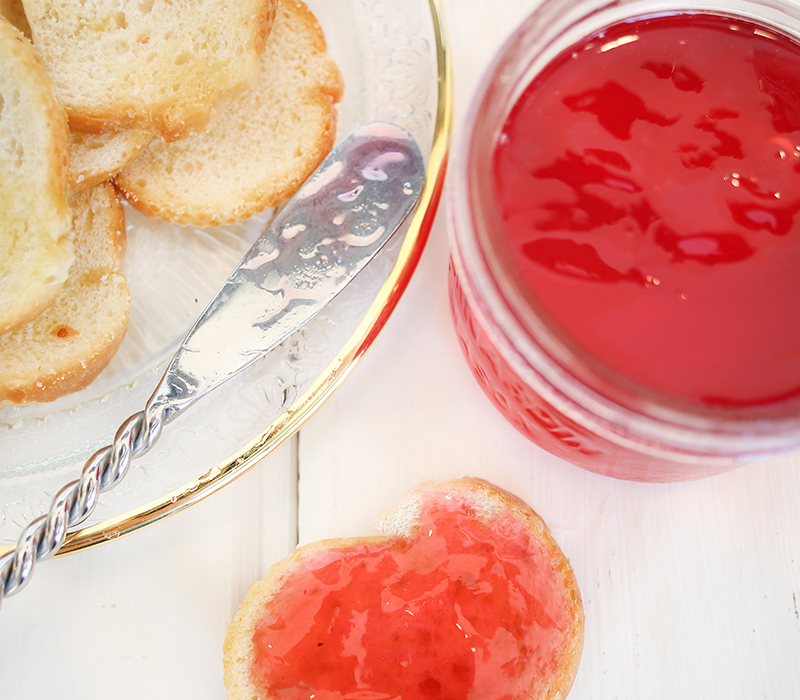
{"x": 197, "y": 112}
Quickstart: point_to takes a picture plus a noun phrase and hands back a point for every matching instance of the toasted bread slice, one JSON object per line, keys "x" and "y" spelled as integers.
{"x": 95, "y": 158}
{"x": 261, "y": 150}
{"x": 71, "y": 342}
{"x": 466, "y": 595}
{"x": 35, "y": 253}
{"x": 166, "y": 66}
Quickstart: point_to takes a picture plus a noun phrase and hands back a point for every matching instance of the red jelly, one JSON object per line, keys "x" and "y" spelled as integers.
{"x": 458, "y": 610}
{"x": 656, "y": 224}
{"x": 626, "y": 262}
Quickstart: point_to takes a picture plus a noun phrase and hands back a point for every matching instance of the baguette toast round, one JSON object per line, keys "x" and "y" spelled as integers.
{"x": 261, "y": 149}
{"x": 64, "y": 348}
{"x": 466, "y": 595}
{"x": 166, "y": 66}
{"x": 35, "y": 253}
{"x": 95, "y": 158}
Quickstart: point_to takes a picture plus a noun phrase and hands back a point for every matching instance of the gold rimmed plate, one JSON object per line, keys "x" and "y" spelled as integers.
{"x": 393, "y": 55}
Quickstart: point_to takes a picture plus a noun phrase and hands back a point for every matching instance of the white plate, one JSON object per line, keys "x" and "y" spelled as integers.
{"x": 393, "y": 57}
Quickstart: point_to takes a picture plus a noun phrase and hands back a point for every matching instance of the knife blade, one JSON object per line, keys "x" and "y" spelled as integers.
{"x": 336, "y": 222}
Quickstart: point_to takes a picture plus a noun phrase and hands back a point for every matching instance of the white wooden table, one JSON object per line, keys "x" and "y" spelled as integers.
{"x": 691, "y": 591}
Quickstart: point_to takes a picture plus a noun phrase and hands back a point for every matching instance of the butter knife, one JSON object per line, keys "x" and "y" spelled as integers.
{"x": 327, "y": 233}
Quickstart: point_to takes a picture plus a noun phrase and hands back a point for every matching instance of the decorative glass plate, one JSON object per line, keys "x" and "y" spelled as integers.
{"x": 393, "y": 56}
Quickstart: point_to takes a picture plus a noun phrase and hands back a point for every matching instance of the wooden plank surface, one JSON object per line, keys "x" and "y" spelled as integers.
{"x": 145, "y": 616}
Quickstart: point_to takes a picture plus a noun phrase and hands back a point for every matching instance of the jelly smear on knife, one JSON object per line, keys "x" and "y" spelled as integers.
{"x": 458, "y": 610}
{"x": 649, "y": 188}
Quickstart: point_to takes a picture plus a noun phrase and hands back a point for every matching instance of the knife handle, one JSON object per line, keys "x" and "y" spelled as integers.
{"x": 76, "y": 501}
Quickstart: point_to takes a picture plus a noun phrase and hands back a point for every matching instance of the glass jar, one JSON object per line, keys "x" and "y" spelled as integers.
{"x": 551, "y": 392}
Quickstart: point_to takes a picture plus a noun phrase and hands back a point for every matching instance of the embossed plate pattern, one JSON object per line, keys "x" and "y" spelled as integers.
{"x": 394, "y": 60}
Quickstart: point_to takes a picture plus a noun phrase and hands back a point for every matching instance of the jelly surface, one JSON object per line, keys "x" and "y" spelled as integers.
{"x": 458, "y": 610}
{"x": 649, "y": 186}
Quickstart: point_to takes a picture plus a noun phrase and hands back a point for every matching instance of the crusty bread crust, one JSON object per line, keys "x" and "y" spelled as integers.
{"x": 13, "y": 11}
{"x": 35, "y": 254}
{"x": 63, "y": 349}
{"x": 167, "y": 66}
{"x": 259, "y": 152}
{"x": 489, "y": 503}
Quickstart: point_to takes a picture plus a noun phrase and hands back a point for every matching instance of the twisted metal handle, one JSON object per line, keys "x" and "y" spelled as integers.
{"x": 76, "y": 501}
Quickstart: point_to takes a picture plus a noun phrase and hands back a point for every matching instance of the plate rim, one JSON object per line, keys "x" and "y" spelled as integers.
{"x": 346, "y": 359}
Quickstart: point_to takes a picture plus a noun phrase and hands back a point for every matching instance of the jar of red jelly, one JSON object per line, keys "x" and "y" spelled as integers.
{"x": 625, "y": 222}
